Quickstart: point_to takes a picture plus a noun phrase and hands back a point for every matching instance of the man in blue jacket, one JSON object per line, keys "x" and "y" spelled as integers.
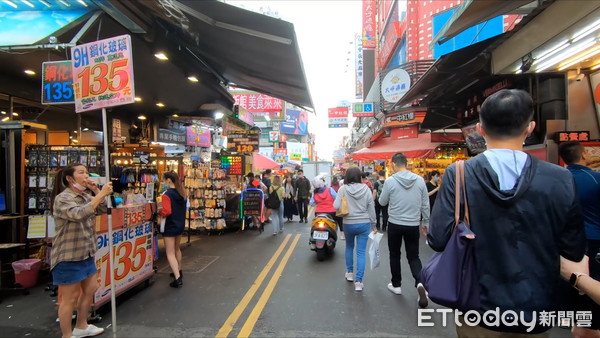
{"x": 525, "y": 215}
{"x": 588, "y": 188}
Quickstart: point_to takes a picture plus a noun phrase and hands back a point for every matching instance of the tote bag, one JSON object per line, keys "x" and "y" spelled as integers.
{"x": 450, "y": 276}
{"x": 343, "y": 211}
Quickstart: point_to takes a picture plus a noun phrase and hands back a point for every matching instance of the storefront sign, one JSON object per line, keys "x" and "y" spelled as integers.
{"x": 103, "y": 73}
{"x": 394, "y": 85}
{"x": 282, "y": 138}
{"x": 338, "y": 117}
{"x": 198, "y": 137}
{"x": 57, "y": 82}
{"x": 402, "y": 118}
{"x": 273, "y": 136}
{"x": 565, "y": 136}
{"x": 296, "y": 157}
{"x": 243, "y": 115}
{"x": 359, "y": 67}
{"x": 273, "y": 116}
{"x": 244, "y": 142}
{"x": 295, "y": 148}
{"x": 176, "y": 136}
{"x": 141, "y": 157}
{"x": 231, "y": 124}
{"x": 252, "y": 202}
{"x": 258, "y": 102}
{"x": 296, "y": 122}
{"x": 280, "y": 151}
{"x": 368, "y": 27}
{"x": 233, "y": 164}
{"x": 133, "y": 258}
{"x": 363, "y": 110}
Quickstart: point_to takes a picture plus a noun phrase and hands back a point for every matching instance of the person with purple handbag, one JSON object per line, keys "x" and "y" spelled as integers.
{"x": 523, "y": 215}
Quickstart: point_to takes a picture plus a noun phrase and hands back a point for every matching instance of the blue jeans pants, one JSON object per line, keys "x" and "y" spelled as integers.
{"x": 277, "y": 218}
{"x": 361, "y": 233}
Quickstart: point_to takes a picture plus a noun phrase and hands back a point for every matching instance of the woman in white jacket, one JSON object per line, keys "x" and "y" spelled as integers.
{"x": 357, "y": 224}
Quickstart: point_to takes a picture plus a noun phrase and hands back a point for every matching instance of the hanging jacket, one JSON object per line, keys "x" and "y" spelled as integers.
{"x": 520, "y": 234}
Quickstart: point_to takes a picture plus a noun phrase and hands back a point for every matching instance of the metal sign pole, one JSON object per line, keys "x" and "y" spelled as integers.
{"x": 111, "y": 266}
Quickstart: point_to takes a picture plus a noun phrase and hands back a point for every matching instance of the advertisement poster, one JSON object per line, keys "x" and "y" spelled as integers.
{"x": 198, "y": 137}
{"x": 296, "y": 122}
{"x": 244, "y": 115}
{"x": 133, "y": 257}
{"x": 338, "y": 117}
{"x": 103, "y": 73}
{"x": 57, "y": 82}
{"x": 368, "y": 26}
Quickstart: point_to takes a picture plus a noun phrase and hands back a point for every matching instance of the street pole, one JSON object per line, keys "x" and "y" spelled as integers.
{"x": 113, "y": 302}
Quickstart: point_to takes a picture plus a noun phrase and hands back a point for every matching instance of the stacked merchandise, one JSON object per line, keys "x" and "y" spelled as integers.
{"x": 206, "y": 191}
{"x": 42, "y": 163}
{"x": 134, "y": 178}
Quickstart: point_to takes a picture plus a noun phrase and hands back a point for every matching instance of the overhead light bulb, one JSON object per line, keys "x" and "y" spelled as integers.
{"x": 160, "y": 104}
{"x": 15, "y": 114}
{"x": 82, "y": 2}
{"x": 64, "y": 3}
{"x": 219, "y": 115}
{"x": 161, "y": 56}
{"x": 10, "y": 3}
{"x": 5, "y": 119}
{"x": 29, "y": 72}
{"x": 142, "y": 117}
{"x": 193, "y": 78}
{"x": 566, "y": 54}
{"x": 85, "y": 129}
{"x": 28, "y": 3}
{"x": 3, "y": 112}
{"x": 589, "y": 53}
{"x": 137, "y": 99}
{"x": 75, "y": 141}
{"x": 175, "y": 115}
{"x": 75, "y": 131}
{"x": 46, "y": 3}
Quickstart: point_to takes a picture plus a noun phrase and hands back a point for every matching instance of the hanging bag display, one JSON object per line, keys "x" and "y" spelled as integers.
{"x": 450, "y": 276}
{"x": 343, "y": 210}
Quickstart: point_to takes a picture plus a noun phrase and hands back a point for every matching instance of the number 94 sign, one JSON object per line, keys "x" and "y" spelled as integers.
{"x": 103, "y": 74}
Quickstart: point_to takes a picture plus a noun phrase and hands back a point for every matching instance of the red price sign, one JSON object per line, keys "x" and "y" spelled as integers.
{"x": 103, "y": 73}
{"x": 134, "y": 215}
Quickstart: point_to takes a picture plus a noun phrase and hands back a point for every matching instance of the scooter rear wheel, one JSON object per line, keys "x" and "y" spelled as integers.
{"x": 321, "y": 253}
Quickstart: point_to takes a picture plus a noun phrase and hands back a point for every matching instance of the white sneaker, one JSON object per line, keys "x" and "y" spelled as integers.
{"x": 349, "y": 276}
{"x": 358, "y": 286}
{"x": 422, "y": 298}
{"x": 394, "y": 290}
{"x": 342, "y": 236}
{"x": 90, "y": 331}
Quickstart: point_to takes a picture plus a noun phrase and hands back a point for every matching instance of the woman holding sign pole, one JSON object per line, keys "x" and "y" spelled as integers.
{"x": 173, "y": 209}
{"x": 74, "y": 245}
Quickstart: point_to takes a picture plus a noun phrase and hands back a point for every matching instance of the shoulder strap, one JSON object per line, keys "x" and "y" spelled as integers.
{"x": 460, "y": 188}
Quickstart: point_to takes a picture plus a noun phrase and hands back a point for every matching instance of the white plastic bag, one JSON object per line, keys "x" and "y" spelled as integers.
{"x": 374, "y": 249}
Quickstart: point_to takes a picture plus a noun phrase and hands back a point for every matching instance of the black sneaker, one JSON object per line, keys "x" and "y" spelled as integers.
{"x": 178, "y": 283}
{"x": 180, "y": 274}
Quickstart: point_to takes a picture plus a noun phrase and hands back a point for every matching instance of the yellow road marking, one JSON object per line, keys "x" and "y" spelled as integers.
{"x": 260, "y": 305}
{"x": 239, "y": 309}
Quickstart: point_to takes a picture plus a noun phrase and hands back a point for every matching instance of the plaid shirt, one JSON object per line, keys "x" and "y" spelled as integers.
{"x": 75, "y": 233}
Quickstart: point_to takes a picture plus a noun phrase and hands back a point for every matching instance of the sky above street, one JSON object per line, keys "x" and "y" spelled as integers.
{"x": 324, "y": 30}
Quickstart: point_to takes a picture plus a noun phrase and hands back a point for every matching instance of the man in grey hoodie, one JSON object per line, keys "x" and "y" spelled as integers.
{"x": 408, "y": 199}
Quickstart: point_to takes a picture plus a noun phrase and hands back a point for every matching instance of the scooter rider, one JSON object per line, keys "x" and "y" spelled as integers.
{"x": 323, "y": 197}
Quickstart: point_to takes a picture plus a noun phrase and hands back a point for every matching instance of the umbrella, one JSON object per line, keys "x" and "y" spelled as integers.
{"x": 263, "y": 162}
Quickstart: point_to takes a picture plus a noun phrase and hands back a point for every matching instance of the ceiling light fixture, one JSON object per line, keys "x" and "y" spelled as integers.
{"x": 219, "y": 115}
{"x": 193, "y": 78}
{"x": 160, "y": 104}
{"x": 566, "y": 54}
{"x": 161, "y": 56}
{"x": 64, "y": 3}
{"x": 552, "y": 51}
{"x": 5, "y": 119}
{"x": 175, "y": 115}
{"x": 589, "y": 53}
{"x": 75, "y": 131}
{"x": 46, "y": 3}
{"x": 28, "y": 3}
{"x": 142, "y": 117}
{"x": 10, "y": 3}
{"x": 29, "y": 72}
{"x": 3, "y": 112}
{"x": 137, "y": 99}
{"x": 82, "y": 2}
{"x": 75, "y": 141}
{"x": 595, "y": 67}
{"x": 15, "y": 114}
{"x": 586, "y": 31}
{"x": 85, "y": 129}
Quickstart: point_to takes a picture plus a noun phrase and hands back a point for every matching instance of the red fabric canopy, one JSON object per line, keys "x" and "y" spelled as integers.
{"x": 385, "y": 148}
{"x": 263, "y": 162}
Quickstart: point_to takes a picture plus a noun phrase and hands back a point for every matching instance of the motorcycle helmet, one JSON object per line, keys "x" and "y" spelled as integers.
{"x": 319, "y": 182}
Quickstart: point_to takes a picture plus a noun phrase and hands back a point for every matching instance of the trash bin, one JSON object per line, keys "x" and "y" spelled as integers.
{"x": 27, "y": 271}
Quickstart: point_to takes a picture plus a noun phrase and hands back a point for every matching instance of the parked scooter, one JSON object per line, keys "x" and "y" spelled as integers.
{"x": 323, "y": 235}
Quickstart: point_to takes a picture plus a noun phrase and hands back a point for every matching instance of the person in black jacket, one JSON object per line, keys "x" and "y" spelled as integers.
{"x": 525, "y": 215}
{"x": 173, "y": 208}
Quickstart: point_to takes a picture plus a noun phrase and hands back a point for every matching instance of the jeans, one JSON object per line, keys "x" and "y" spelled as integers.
{"x": 277, "y": 218}
{"x": 383, "y": 209}
{"x": 361, "y": 232}
{"x": 303, "y": 207}
{"x": 411, "y": 239}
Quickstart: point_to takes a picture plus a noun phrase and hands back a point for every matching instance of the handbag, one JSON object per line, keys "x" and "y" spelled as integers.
{"x": 450, "y": 276}
{"x": 343, "y": 211}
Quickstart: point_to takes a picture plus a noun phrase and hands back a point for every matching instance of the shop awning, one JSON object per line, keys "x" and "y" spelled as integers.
{"x": 385, "y": 148}
{"x": 474, "y": 12}
{"x": 245, "y": 49}
{"x": 454, "y": 71}
{"x": 262, "y": 162}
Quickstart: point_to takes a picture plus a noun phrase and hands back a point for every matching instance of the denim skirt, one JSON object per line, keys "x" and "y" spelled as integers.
{"x": 73, "y": 272}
